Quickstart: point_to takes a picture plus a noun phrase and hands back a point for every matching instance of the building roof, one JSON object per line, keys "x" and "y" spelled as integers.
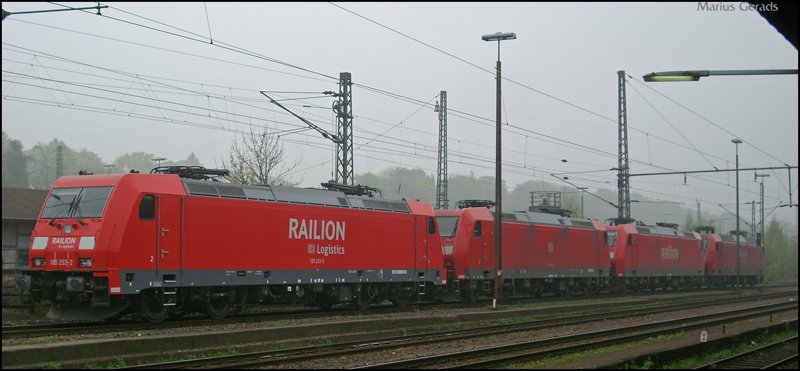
{"x": 22, "y": 204}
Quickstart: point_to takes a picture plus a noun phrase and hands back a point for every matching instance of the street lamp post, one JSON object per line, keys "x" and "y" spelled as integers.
{"x": 582, "y": 189}
{"x": 159, "y": 159}
{"x": 737, "y": 141}
{"x": 498, "y": 223}
{"x": 695, "y": 76}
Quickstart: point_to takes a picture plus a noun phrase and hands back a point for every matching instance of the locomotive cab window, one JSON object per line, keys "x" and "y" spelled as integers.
{"x": 147, "y": 208}
{"x": 611, "y": 238}
{"x": 88, "y": 202}
{"x": 431, "y": 225}
{"x": 477, "y": 231}
{"x": 447, "y": 225}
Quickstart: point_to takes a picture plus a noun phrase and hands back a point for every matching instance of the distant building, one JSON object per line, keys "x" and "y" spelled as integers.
{"x": 20, "y": 210}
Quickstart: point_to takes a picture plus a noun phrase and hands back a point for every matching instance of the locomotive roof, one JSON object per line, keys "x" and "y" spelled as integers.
{"x": 308, "y": 196}
{"x": 656, "y": 230}
{"x": 742, "y": 239}
{"x": 540, "y": 218}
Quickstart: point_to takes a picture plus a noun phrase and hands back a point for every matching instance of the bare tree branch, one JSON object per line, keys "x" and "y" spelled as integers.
{"x": 258, "y": 159}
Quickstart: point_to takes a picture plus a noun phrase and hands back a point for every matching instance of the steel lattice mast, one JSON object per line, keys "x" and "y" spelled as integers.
{"x": 441, "y": 173}
{"x": 623, "y": 181}
{"x": 344, "y": 130}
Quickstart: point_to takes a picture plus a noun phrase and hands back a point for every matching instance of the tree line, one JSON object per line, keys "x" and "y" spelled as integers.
{"x": 37, "y": 167}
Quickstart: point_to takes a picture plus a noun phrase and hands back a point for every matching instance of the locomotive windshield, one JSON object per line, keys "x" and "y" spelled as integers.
{"x": 86, "y": 202}
{"x": 611, "y": 238}
{"x": 447, "y": 225}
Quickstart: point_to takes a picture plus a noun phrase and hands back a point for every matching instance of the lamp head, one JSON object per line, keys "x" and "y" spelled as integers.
{"x": 671, "y": 76}
{"x": 736, "y": 141}
{"x": 499, "y": 36}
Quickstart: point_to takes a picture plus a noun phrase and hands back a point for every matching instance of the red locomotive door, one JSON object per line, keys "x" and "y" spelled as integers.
{"x": 423, "y": 226}
{"x": 169, "y": 246}
{"x": 487, "y": 247}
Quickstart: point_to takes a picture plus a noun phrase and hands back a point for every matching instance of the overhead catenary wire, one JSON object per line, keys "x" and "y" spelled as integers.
{"x": 535, "y": 90}
{"x": 451, "y": 111}
{"x": 484, "y": 119}
{"x": 398, "y": 96}
{"x": 206, "y": 94}
{"x": 487, "y": 160}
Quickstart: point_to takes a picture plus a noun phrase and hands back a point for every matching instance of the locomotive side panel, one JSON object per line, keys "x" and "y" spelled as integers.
{"x": 240, "y": 242}
{"x": 664, "y": 255}
{"x": 751, "y": 257}
{"x": 240, "y": 234}
{"x": 588, "y": 252}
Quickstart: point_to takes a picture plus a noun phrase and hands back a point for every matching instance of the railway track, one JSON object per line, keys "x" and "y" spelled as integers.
{"x": 499, "y": 356}
{"x": 780, "y": 354}
{"x": 288, "y": 313}
{"x": 11, "y": 332}
{"x": 286, "y": 357}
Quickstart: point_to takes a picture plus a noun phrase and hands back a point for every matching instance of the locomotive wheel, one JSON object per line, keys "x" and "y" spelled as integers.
{"x": 402, "y": 301}
{"x": 403, "y": 298}
{"x": 365, "y": 297}
{"x": 218, "y": 307}
{"x": 471, "y": 296}
{"x": 151, "y": 308}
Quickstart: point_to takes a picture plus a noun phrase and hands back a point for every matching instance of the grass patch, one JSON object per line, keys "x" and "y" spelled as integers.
{"x": 745, "y": 345}
{"x": 577, "y": 356}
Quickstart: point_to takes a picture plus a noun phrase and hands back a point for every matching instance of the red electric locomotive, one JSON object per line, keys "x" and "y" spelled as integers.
{"x": 655, "y": 256}
{"x": 541, "y": 252}
{"x": 173, "y": 242}
{"x": 721, "y": 263}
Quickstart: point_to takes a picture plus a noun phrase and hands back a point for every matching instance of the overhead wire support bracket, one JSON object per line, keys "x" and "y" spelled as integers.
{"x": 98, "y": 7}
{"x": 324, "y": 133}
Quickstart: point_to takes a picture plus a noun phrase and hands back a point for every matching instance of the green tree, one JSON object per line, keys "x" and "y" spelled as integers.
{"x": 571, "y": 200}
{"x": 520, "y": 197}
{"x": 15, "y": 172}
{"x": 191, "y": 160}
{"x": 139, "y": 161}
{"x": 780, "y": 254}
{"x": 408, "y": 183}
{"x": 463, "y": 187}
{"x": 143, "y": 162}
{"x": 42, "y": 163}
{"x": 688, "y": 223}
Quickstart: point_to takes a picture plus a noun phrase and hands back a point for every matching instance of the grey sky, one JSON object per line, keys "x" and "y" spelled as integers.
{"x": 570, "y": 51}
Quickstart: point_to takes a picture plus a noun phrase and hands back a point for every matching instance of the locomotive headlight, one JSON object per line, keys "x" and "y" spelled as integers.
{"x": 85, "y": 262}
{"x": 39, "y": 262}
